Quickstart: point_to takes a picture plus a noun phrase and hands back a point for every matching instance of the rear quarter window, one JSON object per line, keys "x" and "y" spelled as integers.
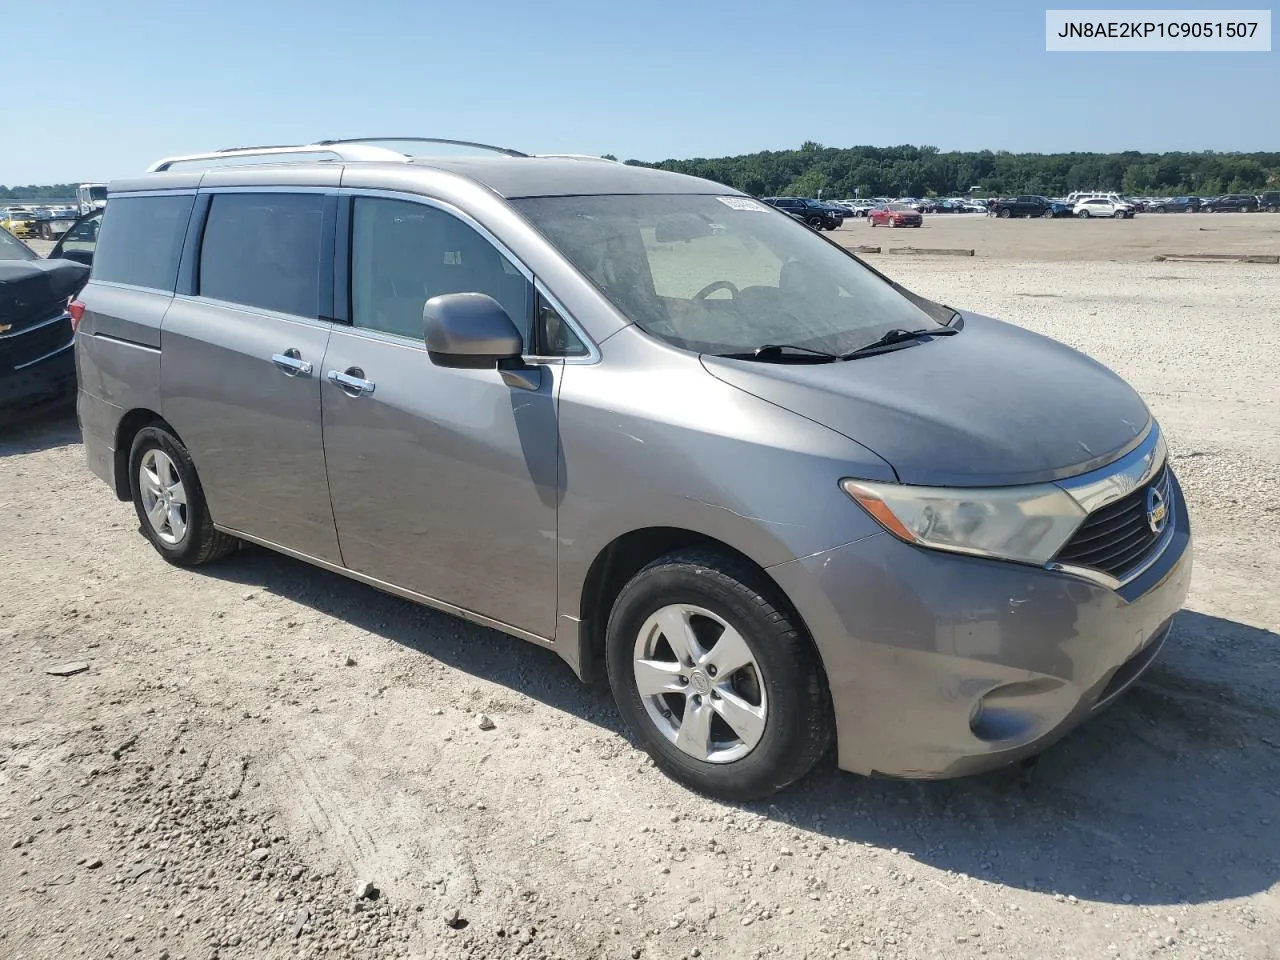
{"x": 140, "y": 242}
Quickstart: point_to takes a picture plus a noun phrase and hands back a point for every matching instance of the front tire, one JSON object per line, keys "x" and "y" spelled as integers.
{"x": 170, "y": 503}
{"x": 1084, "y": 214}
{"x": 1005, "y": 214}
{"x": 716, "y": 678}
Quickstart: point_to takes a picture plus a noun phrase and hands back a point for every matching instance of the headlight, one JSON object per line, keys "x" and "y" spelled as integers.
{"x": 1028, "y": 524}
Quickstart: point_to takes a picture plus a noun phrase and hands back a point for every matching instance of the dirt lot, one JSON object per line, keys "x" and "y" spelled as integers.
{"x": 252, "y": 742}
{"x": 1141, "y": 238}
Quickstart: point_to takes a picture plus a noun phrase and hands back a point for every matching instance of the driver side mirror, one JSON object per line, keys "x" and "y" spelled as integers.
{"x": 469, "y": 331}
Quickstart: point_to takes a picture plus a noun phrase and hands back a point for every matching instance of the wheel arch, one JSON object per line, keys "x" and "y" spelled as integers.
{"x": 130, "y": 425}
{"x": 623, "y": 557}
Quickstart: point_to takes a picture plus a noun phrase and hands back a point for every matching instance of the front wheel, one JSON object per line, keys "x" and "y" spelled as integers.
{"x": 1083, "y": 214}
{"x": 1005, "y": 214}
{"x": 170, "y": 502}
{"x": 716, "y": 678}
{"x": 1047, "y": 215}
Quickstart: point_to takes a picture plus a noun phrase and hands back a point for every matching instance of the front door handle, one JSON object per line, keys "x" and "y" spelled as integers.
{"x": 352, "y": 381}
{"x": 291, "y": 363}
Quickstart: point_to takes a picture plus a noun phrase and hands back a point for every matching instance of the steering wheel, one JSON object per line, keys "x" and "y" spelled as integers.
{"x": 713, "y": 286}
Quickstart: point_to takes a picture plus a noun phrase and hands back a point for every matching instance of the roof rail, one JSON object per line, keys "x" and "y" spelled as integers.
{"x": 453, "y": 143}
{"x": 576, "y": 156}
{"x": 355, "y": 149}
{"x": 300, "y": 152}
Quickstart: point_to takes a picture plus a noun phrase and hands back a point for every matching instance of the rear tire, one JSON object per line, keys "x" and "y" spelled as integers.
{"x": 170, "y": 503}
{"x": 778, "y": 701}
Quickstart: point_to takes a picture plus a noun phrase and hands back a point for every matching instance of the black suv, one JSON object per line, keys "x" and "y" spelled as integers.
{"x": 1232, "y": 203}
{"x": 1270, "y": 201}
{"x": 818, "y": 215}
{"x": 1026, "y": 206}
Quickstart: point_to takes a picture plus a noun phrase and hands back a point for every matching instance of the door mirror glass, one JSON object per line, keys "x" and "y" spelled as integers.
{"x": 469, "y": 330}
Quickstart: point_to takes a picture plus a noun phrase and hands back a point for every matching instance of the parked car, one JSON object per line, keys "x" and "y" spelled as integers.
{"x": 1232, "y": 203}
{"x": 1102, "y": 207}
{"x": 1270, "y": 201}
{"x": 1174, "y": 205}
{"x": 18, "y": 221}
{"x": 818, "y": 215}
{"x": 894, "y": 215}
{"x": 621, "y": 414}
{"x": 1023, "y": 206}
{"x": 857, "y": 207}
{"x": 37, "y": 366}
{"x": 51, "y": 224}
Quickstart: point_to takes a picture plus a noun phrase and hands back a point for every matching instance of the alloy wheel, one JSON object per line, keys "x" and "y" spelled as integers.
{"x": 164, "y": 498}
{"x": 700, "y": 683}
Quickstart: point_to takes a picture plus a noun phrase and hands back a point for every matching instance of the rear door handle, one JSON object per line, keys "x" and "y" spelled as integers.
{"x": 352, "y": 381}
{"x": 291, "y": 363}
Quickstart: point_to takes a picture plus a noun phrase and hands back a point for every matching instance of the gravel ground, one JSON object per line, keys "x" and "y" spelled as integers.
{"x": 263, "y": 760}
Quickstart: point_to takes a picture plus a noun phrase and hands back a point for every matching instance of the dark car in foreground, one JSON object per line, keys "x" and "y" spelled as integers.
{"x": 819, "y": 215}
{"x": 37, "y": 366}
{"x": 650, "y": 424}
{"x": 1270, "y": 201}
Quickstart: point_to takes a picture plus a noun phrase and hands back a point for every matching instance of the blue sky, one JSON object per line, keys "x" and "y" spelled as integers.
{"x": 648, "y": 80}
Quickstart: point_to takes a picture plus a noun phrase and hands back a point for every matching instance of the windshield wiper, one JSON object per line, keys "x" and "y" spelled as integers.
{"x": 896, "y": 336}
{"x": 771, "y": 352}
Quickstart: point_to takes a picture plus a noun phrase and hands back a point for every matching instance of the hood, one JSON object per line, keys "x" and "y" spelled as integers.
{"x": 991, "y": 406}
{"x": 31, "y": 289}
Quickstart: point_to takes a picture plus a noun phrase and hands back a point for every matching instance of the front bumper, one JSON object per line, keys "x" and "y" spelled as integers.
{"x": 942, "y": 665}
{"x": 36, "y": 386}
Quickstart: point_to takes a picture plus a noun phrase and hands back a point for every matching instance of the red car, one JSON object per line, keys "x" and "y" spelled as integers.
{"x": 894, "y": 215}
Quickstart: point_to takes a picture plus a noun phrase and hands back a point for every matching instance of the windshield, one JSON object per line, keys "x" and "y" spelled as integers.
{"x": 899, "y": 206}
{"x": 12, "y": 248}
{"x": 97, "y": 193}
{"x": 722, "y": 274}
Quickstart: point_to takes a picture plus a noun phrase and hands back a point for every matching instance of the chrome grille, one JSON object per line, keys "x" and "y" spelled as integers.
{"x": 1116, "y": 538}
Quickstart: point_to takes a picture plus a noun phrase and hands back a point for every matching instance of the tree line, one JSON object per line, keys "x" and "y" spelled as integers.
{"x": 49, "y": 191}
{"x": 909, "y": 171}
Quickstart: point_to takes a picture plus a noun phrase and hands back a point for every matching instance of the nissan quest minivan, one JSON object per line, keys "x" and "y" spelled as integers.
{"x": 650, "y": 423}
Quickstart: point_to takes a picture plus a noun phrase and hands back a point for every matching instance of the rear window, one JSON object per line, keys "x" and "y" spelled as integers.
{"x": 263, "y": 250}
{"x": 140, "y": 242}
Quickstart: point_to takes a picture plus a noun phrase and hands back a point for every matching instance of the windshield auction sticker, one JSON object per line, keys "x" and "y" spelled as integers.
{"x": 1127, "y": 31}
{"x": 742, "y": 203}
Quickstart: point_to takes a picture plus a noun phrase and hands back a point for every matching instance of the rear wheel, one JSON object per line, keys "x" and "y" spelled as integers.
{"x": 715, "y": 677}
{"x": 170, "y": 502}
{"x": 815, "y": 222}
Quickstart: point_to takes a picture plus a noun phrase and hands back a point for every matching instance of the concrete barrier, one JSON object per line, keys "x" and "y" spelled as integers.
{"x": 934, "y": 251}
{"x": 1217, "y": 258}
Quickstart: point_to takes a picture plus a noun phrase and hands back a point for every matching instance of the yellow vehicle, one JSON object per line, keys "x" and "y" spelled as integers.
{"x": 19, "y": 221}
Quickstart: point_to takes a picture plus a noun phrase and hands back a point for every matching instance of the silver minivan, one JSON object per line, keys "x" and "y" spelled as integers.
{"x": 648, "y": 422}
